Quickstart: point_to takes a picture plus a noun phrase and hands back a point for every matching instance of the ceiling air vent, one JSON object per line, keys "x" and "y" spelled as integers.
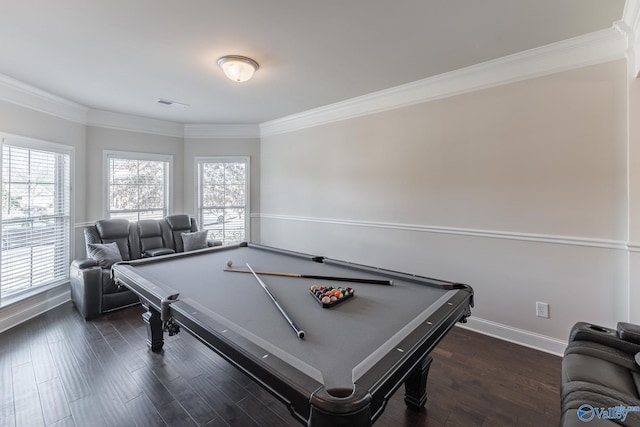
{"x": 173, "y": 104}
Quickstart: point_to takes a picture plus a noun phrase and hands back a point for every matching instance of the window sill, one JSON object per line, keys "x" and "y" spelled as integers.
{"x": 19, "y": 297}
{"x": 20, "y": 308}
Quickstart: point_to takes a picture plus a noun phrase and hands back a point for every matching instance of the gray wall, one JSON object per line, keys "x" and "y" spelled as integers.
{"x": 519, "y": 190}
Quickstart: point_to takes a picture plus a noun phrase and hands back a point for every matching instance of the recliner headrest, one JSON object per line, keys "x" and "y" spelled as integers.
{"x": 149, "y": 228}
{"x": 179, "y": 222}
{"x": 112, "y": 228}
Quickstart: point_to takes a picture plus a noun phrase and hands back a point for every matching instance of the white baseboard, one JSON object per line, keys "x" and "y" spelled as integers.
{"x": 21, "y": 311}
{"x": 516, "y": 336}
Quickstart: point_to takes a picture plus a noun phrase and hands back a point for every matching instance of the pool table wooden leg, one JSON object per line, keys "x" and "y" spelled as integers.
{"x": 415, "y": 386}
{"x": 153, "y": 320}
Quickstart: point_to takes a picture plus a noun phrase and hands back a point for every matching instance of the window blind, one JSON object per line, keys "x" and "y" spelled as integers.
{"x": 36, "y": 217}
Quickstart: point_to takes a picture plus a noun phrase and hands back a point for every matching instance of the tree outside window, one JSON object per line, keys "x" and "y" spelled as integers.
{"x": 223, "y": 198}
{"x": 138, "y": 186}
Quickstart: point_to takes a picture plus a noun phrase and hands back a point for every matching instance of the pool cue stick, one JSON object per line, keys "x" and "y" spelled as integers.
{"x": 299, "y": 331}
{"x": 309, "y": 276}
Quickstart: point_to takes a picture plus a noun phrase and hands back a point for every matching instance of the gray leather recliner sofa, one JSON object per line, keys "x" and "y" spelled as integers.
{"x": 601, "y": 376}
{"x": 93, "y": 292}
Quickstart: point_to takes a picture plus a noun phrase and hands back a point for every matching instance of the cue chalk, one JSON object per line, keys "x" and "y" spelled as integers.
{"x": 299, "y": 332}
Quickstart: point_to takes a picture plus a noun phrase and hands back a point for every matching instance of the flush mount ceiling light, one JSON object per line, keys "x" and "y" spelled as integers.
{"x": 238, "y": 68}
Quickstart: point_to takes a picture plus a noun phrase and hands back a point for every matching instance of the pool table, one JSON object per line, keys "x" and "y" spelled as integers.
{"x": 353, "y": 355}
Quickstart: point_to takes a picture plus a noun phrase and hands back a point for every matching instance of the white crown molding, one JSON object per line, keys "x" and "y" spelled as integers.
{"x": 491, "y": 234}
{"x": 630, "y": 26}
{"x": 204, "y": 131}
{"x": 109, "y": 120}
{"x": 597, "y": 47}
{"x": 24, "y": 95}
{"x": 631, "y": 14}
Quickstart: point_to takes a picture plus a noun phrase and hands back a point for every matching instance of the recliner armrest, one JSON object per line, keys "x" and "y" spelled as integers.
{"x": 158, "y": 252}
{"x": 629, "y": 332}
{"x": 583, "y": 331}
{"x": 83, "y": 263}
{"x": 85, "y": 277}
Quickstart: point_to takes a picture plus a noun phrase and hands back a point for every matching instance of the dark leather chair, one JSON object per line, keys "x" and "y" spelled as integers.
{"x": 600, "y": 376}
{"x": 92, "y": 290}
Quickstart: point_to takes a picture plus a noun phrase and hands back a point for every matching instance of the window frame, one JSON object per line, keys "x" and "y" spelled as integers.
{"x": 52, "y": 147}
{"x": 130, "y": 155}
{"x": 198, "y": 160}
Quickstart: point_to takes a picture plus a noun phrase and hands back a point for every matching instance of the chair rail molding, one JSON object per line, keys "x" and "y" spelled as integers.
{"x": 493, "y": 234}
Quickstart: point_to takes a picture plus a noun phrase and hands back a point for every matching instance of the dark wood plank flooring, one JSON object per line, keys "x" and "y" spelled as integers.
{"x": 58, "y": 370}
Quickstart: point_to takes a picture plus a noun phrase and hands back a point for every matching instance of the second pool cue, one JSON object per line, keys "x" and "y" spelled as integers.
{"x": 316, "y": 277}
{"x": 298, "y": 331}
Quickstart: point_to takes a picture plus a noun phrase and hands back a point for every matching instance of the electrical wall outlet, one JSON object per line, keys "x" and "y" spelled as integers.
{"x": 542, "y": 309}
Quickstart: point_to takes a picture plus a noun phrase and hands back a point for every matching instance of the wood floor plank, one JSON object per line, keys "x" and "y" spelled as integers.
{"x": 54, "y": 403}
{"x": 20, "y": 349}
{"x": 42, "y": 361}
{"x": 28, "y": 411}
{"x": 200, "y": 411}
{"x": 104, "y": 402}
{"x": 56, "y": 331}
{"x": 120, "y": 347}
{"x": 66, "y": 372}
{"x": 67, "y": 422}
{"x": 143, "y": 413}
{"x": 7, "y": 413}
{"x": 78, "y": 338}
{"x": 119, "y": 376}
{"x": 174, "y": 415}
{"x": 262, "y": 414}
{"x": 116, "y": 413}
{"x": 87, "y": 411}
{"x": 207, "y": 389}
{"x": 218, "y": 422}
{"x": 190, "y": 363}
{"x": 152, "y": 387}
{"x": 279, "y": 408}
{"x": 73, "y": 378}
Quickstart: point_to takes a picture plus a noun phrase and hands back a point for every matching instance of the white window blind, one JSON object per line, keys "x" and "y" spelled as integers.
{"x": 138, "y": 186}
{"x": 36, "y": 215}
{"x": 223, "y": 198}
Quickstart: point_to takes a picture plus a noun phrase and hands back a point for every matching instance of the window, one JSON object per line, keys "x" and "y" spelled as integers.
{"x": 223, "y": 198}
{"x": 138, "y": 185}
{"x": 36, "y": 215}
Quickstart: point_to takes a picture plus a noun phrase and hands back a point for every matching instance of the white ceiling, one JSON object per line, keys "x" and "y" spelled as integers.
{"x": 123, "y": 55}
